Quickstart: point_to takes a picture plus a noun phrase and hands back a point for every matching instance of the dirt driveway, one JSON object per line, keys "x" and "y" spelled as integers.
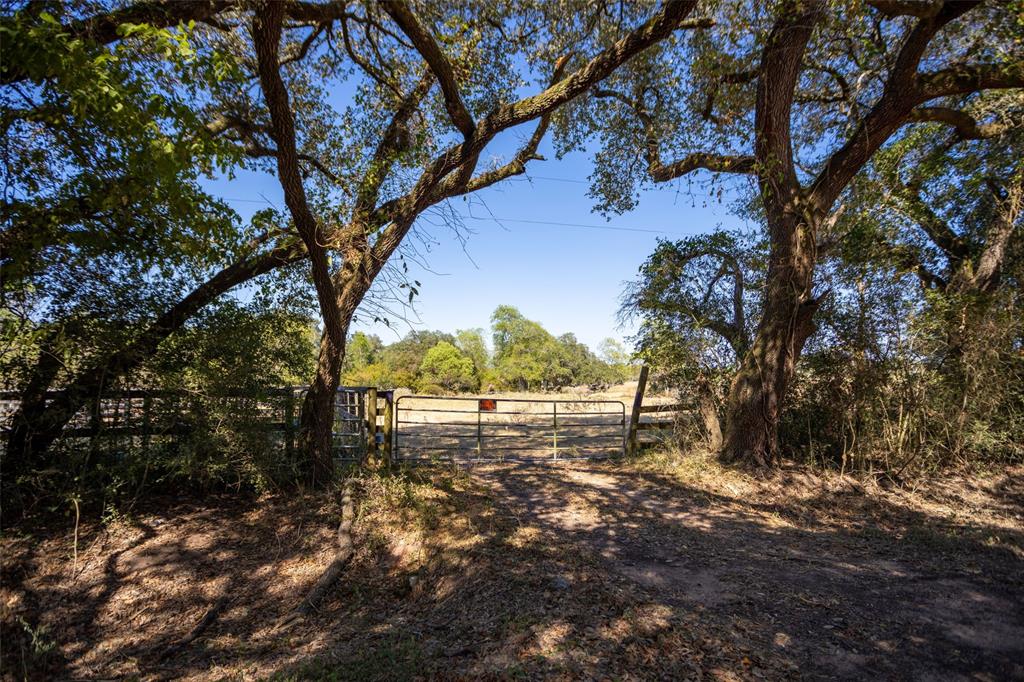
{"x": 838, "y": 585}
{"x": 624, "y": 571}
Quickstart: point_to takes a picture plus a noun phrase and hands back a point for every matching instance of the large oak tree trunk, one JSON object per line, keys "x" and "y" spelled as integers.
{"x": 756, "y": 396}
{"x": 350, "y": 284}
{"x": 316, "y": 435}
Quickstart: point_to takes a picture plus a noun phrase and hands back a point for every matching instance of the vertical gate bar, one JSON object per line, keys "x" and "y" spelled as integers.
{"x": 389, "y": 410}
{"x": 358, "y": 401}
{"x": 289, "y": 424}
{"x": 371, "y": 421}
{"x": 554, "y": 413}
{"x": 622, "y": 425}
{"x": 479, "y": 432}
{"x": 398, "y": 431}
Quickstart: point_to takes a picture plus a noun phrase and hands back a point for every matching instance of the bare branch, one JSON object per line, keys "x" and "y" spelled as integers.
{"x": 303, "y": 50}
{"x": 902, "y": 92}
{"x": 716, "y": 163}
{"x": 455, "y": 185}
{"x": 387, "y": 147}
{"x": 266, "y": 31}
{"x": 669, "y": 17}
{"x": 780, "y": 72}
{"x": 735, "y": 78}
{"x": 966, "y": 78}
{"x": 368, "y": 68}
{"x": 659, "y": 171}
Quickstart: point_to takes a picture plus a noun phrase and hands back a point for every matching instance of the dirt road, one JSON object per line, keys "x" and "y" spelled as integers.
{"x": 826, "y": 594}
{"x": 567, "y": 572}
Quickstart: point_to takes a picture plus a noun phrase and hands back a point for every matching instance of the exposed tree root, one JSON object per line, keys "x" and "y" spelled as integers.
{"x": 206, "y": 621}
{"x": 334, "y": 570}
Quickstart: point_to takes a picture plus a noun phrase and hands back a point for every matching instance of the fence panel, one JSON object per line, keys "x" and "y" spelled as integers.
{"x": 141, "y": 417}
{"x": 435, "y": 427}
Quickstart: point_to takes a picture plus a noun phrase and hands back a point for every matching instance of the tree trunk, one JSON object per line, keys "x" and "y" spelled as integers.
{"x": 708, "y": 408}
{"x": 316, "y": 436}
{"x": 756, "y": 396}
{"x": 317, "y": 420}
{"x": 27, "y": 439}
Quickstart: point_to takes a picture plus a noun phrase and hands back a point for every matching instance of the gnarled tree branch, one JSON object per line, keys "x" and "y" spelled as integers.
{"x": 967, "y": 128}
{"x": 661, "y": 172}
{"x": 425, "y": 44}
{"x": 922, "y": 9}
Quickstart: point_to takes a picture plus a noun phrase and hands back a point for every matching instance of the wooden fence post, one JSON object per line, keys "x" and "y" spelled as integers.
{"x": 289, "y": 422}
{"x": 634, "y": 418}
{"x": 389, "y": 418}
{"x": 147, "y": 424}
{"x": 371, "y": 421}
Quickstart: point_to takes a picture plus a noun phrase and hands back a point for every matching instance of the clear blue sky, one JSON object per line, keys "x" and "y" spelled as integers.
{"x": 567, "y": 278}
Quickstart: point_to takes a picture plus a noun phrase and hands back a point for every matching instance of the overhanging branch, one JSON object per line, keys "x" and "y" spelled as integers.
{"x": 922, "y": 9}
{"x": 661, "y": 172}
{"x": 963, "y": 79}
{"x": 425, "y": 44}
{"x": 967, "y": 128}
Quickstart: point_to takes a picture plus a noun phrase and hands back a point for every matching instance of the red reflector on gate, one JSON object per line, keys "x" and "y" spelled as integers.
{"x": 488, "y": 405}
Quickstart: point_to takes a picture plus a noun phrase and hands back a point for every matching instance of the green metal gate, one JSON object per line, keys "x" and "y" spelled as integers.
{"x": 487, "y": 429}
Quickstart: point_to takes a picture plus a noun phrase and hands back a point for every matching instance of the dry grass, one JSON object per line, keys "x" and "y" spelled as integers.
{"x": 662, "y": 567}
{"x": 986, "y": 506}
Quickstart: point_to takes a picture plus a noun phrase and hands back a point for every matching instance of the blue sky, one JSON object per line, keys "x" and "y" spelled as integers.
{"x": 568, "y": 278}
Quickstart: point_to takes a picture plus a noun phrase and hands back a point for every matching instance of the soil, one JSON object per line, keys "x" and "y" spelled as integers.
{"x": 835, "y": 585}
{"x": 634, "y": 570}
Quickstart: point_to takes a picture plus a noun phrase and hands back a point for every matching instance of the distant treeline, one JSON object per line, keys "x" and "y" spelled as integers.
{"x": 525, "y": 357}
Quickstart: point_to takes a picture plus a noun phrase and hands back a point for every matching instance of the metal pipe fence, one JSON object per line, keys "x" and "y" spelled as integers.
{"x": 483, "y": 429}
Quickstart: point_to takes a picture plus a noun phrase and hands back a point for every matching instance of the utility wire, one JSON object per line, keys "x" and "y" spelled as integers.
{"x": 586, "y": 226}
{"x": 552, "y": 223}
{"x": 542, "y": 177}
{"x": 583, "y": 225}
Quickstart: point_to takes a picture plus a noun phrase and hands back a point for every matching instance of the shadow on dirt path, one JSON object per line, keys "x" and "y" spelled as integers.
{"x": 832, "y": 594}
{"x": 514, "y": 571}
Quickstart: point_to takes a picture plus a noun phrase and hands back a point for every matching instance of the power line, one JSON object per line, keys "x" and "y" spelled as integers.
{"x": 524, "y": 178}
{"x": 526, "y": 221}
{"x": 583, "y": 225}
{"x": 543, "y": 177}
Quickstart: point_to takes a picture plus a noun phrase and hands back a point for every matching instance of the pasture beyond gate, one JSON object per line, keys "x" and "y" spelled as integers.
{"x": 435, "y": 427}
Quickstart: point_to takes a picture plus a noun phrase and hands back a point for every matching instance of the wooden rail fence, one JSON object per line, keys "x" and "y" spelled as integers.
{"x": 146, "y": 414}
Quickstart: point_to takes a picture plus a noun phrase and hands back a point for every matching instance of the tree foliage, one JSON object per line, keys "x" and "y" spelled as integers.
{"x": 915, "y": 361}
{"x": 799, "y": 95}
{"x": 445, "y": 366}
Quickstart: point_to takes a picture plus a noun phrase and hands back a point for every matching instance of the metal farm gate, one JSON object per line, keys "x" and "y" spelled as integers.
{"x": 436, "y": 427}
{"x": 350, "y": 422}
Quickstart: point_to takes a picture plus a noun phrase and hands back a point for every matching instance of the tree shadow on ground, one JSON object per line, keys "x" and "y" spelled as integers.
{"x": 584, "y": 571}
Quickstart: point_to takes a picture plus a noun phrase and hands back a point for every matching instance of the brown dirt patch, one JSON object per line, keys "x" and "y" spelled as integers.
{"x": 565, "y": 572}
